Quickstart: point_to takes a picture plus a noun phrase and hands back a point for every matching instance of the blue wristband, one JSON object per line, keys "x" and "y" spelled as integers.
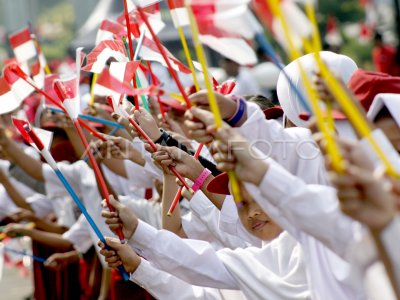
{"x": 241, "y": 107}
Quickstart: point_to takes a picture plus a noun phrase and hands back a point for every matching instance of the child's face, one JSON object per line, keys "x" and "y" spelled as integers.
{"x": 391, "y": 130}
{"x": 256, "y": 221}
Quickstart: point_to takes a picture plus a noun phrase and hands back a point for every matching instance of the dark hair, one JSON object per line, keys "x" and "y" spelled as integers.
{"x": 262, "y": 101}
{"x": 383, "y": 113}
{"x": 378, "y": 37}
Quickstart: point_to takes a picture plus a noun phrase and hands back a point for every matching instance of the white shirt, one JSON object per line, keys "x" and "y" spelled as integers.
{"x": 209, "y": 214}
{"x": 82, "y": 179}
{"x": 311, "y": 214}
{"x": 165, "y": 286}
{"x": 275, "y": 271}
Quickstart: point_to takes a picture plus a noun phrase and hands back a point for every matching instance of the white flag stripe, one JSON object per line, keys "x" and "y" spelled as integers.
{"x": 72, "y": 106}
{"x": 117, "y": 70}
{"x": 8, "y": 102}
{"x": 101, "y": 90}
{"x": 180, "y": 16}
{"x": 45, "y": 136}
{"x": 235, "y": 49}
{"x": 25, "y": 51}
{"x": 22, "y": 89}
{"x": 98, "y": 66}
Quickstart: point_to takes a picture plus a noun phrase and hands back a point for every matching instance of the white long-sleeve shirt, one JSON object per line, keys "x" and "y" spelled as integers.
{"x": 293, "y": 148}
{"x": 162, "y": 285}
{"x": 311, "y": 214}
{"x": 209, "y": 214}
{"x": 275, "y": 271}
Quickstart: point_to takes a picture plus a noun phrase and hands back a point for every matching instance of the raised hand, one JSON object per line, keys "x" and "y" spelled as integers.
{"x": 184, "y": 163}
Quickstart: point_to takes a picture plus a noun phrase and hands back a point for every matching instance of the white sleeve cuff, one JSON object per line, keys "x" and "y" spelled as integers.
{"x": 143, "y": 237}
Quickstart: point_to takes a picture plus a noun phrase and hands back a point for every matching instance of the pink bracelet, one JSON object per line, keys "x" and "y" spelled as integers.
{"x": 200, "y": 180}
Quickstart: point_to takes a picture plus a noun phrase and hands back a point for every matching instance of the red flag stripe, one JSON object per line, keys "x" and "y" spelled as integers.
{"x": 20, "y": 37}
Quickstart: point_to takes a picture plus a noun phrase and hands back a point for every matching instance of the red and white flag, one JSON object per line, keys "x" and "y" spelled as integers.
{"x": 8, "y": 100}
{"x": 109, "y": 30}
{"x": 124, "y": 72}
{"x": 23, "y": 45}
{"x": 66, "y": 90}
{"x": 18, "y": 86}
{"x": 38, "y": 73}
{"x": 49, "y": 89}
{"x": 149, "y": 51}
{"x": 45, "y": 136}
{"x": 137, "y": 24}
{"x": 98, "y": 57}
{"x": 106, "y": 85}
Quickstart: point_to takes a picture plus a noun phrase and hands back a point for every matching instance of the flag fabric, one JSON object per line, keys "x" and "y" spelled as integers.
{"x": 235, "y": 49}
{"x": 106, "y": 85}
{"x": 8, "y": 100}
{"x": 141, "y": 3}
{"x": 49, "y": 89}
{"x": 19, "y": 86}
{"x": 179, "y": 13}
{"x": 110, "y": 30}
{"x": 38, "y": 73}
{"x": 67, "y": 91}
{"x": 223, "y": 26}
{"x": 149, "y": 51}
{"x": 124, "y": 72}
{"x": 98, "y": 57}
{"x": 44, "y": 135}
{"x": 137, "y": 24}
{"x": 23, "y": 45}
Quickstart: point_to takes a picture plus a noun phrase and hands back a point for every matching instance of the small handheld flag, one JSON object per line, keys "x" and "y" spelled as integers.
{"x": 32, "y": 138}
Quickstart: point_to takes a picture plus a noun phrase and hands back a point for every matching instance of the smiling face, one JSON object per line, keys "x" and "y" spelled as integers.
{"x": 256, "y": 221}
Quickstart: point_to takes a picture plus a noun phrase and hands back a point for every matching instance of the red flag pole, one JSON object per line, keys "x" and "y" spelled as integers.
{"x": 164, "y": 55}
{"x": 128, "y": 28}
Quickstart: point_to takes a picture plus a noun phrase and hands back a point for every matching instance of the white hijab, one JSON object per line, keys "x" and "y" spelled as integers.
{"x": 340, "y": 65}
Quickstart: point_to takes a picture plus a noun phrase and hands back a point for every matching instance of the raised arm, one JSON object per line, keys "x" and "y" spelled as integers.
{"x": 32, "y": 166}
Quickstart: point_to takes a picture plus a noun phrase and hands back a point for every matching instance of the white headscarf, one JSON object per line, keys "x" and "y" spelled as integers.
{"x": 341, "y": 65}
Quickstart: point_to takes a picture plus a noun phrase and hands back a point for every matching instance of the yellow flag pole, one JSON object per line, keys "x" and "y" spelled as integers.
{"x": 343, "y": 98}
{"x": 188, "y": 58}
{"x": 294, "y": 53}
{"x": 94, "y": 80}
{"x": 185, "y": 46}
{"x": 211, "y": 96}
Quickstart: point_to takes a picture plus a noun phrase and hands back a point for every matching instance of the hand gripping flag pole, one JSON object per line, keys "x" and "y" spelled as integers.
{"x": 30, "y": 136}
{"x": 123, "y": 113}
{"x": 211, "y": 96}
